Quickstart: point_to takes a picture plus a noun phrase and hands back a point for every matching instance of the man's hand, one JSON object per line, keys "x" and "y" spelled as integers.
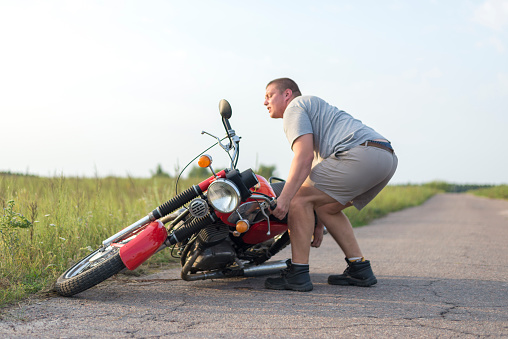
{"x": 318, "y": 234}
{"x": 282, "y": 208}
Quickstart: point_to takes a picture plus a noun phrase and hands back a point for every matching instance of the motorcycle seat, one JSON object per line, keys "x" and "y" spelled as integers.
{"x": 277, "y": 187}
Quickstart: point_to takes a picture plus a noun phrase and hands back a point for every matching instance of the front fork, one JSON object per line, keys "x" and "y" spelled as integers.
{"x": 148, "y": 241}
{"x": 164, "y": 209}
{"x": 154, "y": 234}
{"x": 159, "y": 212}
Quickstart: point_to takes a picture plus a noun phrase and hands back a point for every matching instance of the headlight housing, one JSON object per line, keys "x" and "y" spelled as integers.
{"x": 223, "y": 195}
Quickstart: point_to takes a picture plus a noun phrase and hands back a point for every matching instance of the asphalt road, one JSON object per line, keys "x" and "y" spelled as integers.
{"x": 442, "y": 271}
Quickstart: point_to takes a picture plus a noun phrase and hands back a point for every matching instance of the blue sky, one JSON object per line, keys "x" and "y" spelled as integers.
{"x": 117, "y": 87}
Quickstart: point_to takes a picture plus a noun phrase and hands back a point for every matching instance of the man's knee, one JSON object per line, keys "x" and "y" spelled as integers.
{"x": 299, "y": 202}
{"x": 333, "y": 208}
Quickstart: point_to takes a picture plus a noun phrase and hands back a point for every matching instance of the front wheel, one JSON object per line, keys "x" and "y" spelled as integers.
{"x": 90, "y": 271}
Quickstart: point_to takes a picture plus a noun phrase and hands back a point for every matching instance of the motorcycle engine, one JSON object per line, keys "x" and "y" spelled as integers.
{"x": 214, "y": 257}
{"x": 216, "y": 250}
{"x": 213, "y": 234}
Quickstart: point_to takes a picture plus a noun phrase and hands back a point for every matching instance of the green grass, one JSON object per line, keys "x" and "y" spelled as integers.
{"x": 496, "y": 192}
{"x": 69, "y": 217}
{"x": 49, "y": 223}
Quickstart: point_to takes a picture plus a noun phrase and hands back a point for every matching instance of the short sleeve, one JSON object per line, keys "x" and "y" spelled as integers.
{"x": 296, "y": 122}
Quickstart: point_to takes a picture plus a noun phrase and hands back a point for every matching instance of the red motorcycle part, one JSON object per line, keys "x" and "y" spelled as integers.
{"x": 205, "y": 183}
{"x": 144, "y": 245}
{"x": 257, "y": 232}
{"x": 263, "y": 187}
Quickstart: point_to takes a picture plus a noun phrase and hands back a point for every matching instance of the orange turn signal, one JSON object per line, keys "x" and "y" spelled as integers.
{"x": 205, "y": 161}
{"x": 242, "y": 226}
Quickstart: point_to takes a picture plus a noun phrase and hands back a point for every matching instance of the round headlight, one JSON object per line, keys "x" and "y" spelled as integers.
{"x": 223, "y": 195}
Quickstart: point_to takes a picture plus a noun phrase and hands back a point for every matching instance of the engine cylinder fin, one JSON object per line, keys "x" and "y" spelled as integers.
{"x": 213, "y": 234}
{"x": 192, "y": 227}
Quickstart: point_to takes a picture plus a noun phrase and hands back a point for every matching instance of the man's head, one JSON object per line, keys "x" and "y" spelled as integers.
{"x": 279, "y": 93}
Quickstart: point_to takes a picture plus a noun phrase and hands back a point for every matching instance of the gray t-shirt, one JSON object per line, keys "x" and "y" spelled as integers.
{"x": 333, "y": 129}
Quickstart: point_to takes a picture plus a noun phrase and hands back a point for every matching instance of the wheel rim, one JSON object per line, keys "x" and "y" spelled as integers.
{"x": 91, "y": 260}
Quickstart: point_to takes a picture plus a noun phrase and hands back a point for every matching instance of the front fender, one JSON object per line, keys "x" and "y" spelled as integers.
{"x": 144, "y": 245}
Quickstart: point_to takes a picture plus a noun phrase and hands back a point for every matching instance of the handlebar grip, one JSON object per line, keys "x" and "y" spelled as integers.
{"x": 273, "y": 204}
{"x": 177, "y": 202}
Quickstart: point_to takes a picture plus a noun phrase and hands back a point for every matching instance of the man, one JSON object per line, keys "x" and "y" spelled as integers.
{"x": 353, "y": 163}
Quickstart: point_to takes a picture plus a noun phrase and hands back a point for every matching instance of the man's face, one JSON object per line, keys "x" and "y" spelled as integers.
{"x": 275, "y": 101}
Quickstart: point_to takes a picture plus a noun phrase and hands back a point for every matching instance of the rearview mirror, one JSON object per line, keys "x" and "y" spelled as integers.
{"x": 225, "y": 109}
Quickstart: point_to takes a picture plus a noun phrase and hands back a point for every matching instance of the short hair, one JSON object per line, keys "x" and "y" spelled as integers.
{"x": 285, "y": 83}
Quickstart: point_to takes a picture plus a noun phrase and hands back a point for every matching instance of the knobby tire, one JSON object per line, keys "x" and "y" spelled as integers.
{"x": 70, "y": 286}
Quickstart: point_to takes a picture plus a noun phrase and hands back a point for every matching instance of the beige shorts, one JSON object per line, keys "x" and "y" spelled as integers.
{"x": 356, "y": 175}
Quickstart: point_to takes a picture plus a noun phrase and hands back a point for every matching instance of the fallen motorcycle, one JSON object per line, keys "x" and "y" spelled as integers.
{"x": 220, "y": 228}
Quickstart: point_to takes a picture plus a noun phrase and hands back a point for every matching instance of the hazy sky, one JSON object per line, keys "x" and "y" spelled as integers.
{"x": 117, "y": 87}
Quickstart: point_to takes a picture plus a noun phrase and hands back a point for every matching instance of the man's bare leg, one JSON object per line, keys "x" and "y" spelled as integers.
{"x": 359, "y": 272}
{"x": 301, "y": 226}
{"x": 337, "y": 223}
{"x": 301, "y": 221}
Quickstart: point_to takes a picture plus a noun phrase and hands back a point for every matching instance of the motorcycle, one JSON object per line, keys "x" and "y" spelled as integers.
{"x": 220, "y": 228}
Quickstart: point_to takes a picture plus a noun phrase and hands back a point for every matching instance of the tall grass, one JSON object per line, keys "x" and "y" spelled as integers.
{"x": 496, "y": 192}
{"x": 48, "y": 223}
{"x": 69, "y": 217}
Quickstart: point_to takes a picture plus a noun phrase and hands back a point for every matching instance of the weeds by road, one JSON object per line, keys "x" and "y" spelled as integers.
{"x": 496, "y": 192}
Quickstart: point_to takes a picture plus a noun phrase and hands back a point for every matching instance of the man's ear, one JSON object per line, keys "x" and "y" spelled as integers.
{"x": 288, "y": 93}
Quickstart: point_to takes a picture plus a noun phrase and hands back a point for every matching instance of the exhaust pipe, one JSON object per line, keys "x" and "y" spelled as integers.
{"x": 265, "y": 269}
{"x": 253, "y": 271}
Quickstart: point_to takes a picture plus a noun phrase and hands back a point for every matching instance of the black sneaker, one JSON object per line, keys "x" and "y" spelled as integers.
{"x": 357, "y": 273}
{"x": 295, "y": 277}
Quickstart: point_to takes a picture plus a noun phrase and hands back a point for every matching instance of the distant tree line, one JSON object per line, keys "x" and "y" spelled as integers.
{"x": 17, "y": 174}
{"x": 454, "y": 188}
{"x": 159, "y": 172}
{"x": 203, "y": 173}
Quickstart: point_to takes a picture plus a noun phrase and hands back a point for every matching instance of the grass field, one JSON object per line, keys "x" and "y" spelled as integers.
{"x": 48, "y": 223}
{"x": 496, "y": 192}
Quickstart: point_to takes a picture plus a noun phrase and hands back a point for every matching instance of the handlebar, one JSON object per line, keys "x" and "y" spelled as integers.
{"x": 233, "y": 144}
{"x": 273, "y": 204}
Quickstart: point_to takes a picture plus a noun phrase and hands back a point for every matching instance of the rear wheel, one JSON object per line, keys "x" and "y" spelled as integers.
{"x": 90, "y": 271}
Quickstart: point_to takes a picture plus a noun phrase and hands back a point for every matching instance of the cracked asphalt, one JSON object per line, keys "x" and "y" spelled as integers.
{"x": 442, "y": 271}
